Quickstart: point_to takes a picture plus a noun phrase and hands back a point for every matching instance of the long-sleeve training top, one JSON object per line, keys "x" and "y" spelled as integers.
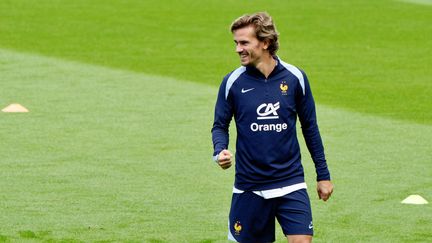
{"x": 265, "y": 111}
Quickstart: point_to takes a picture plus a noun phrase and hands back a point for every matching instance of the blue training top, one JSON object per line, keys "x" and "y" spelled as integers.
{"x": 265, "y": 112}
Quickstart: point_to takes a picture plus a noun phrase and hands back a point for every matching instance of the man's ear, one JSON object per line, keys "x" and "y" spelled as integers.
{"x": 266, "y": 44}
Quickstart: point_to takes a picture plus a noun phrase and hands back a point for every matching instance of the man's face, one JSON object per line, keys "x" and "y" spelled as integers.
{"x": 249, "y": 48}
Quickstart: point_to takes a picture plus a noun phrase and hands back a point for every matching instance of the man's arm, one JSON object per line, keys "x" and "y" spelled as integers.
{"x": 308, "y": 121}
{"x": 220, "y": 131}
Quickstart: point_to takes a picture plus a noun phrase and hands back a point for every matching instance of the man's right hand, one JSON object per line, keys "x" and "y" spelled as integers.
{"x": 224, "y": 159}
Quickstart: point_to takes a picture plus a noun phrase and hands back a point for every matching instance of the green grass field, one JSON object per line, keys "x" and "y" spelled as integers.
{"x": 117, "y": 144}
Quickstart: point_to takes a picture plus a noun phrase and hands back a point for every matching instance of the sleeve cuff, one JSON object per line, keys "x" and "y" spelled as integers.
{"x": 324, "y": 176}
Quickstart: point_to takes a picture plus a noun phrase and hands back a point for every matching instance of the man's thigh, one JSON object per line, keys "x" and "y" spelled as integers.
{"x": 252, "y": 218}
{"x": 294, "y": 213}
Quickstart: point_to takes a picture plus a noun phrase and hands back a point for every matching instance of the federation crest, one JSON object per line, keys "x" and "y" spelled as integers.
{"x": 237, "y": 227}
{"x": 283, "y": 87}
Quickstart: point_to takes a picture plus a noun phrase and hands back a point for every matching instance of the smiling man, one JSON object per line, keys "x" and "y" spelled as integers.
{"x": 265, "y": 96}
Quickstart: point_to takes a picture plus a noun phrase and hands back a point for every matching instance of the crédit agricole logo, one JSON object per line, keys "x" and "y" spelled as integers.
{"x": 268, "y": 111}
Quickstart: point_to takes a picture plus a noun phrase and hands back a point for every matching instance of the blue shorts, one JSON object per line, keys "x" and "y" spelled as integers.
{"x": 252, "y": 218}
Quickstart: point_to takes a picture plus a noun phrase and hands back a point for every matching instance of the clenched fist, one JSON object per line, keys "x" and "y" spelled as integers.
{"x": 324, "y": 189}
{"x": 224, "y": 159}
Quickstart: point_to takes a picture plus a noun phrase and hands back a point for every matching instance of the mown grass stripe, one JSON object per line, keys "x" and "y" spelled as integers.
{"x": 368, "y": 56}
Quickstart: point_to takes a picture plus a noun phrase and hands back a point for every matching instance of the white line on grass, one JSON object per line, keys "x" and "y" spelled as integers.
{"x": 423, "y": 2}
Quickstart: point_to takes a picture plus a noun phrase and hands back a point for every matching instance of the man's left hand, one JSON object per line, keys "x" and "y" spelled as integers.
{"x": 324, "y": 189}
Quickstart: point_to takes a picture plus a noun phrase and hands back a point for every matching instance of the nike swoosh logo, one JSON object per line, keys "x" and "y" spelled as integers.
{"x": 247, "y": 90}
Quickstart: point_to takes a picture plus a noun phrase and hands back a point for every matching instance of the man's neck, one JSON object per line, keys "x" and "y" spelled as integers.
{"x": 266, "y": 65}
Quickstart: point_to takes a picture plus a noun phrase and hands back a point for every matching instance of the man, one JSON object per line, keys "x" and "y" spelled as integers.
{"x": 265, "y": 96}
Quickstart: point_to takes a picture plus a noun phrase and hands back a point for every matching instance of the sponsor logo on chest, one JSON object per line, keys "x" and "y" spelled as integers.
{"x": 268, "y": 111}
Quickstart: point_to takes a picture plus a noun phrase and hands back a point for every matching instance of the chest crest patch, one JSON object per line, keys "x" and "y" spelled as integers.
{"x": 283, "y": 87}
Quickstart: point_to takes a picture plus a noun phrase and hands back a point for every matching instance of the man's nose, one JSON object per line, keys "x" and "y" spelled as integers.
{"x": 239, "y": 48}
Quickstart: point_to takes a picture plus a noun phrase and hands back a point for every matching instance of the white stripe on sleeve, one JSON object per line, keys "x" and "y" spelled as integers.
{"x": 294, "y": 70}
{"x": 232, "y": 78}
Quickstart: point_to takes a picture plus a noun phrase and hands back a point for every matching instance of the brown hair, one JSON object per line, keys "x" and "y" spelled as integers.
{"x": 265, "y": 30}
